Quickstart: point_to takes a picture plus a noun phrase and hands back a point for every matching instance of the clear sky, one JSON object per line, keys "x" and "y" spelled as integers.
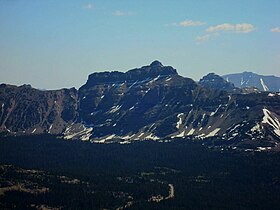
{"x": 52, "y": 44}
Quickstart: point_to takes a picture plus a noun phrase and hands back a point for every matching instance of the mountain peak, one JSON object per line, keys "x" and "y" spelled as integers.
{"x": 153, "y": 70}
{"x": 251, "y": 79}
{"x": 211, "y": 77}
{"x": 215, "y": 81}
{"x": 156, "y": 63}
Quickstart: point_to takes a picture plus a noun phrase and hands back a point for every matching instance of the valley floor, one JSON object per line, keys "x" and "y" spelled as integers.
{"x": 49, "y": 173}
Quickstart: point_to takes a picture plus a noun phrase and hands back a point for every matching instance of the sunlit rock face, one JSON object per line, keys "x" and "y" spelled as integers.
{"x": 25, "y": 110}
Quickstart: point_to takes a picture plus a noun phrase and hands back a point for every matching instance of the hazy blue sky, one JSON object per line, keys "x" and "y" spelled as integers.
{"x": 57, "y": 43}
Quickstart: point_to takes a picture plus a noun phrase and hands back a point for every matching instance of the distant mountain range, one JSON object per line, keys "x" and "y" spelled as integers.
{"x": 152, "y": 102}
{"x": 250, "y": 79}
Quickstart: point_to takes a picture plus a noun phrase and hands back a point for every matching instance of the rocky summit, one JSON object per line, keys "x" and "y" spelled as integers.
{"x": 152, "y": 102}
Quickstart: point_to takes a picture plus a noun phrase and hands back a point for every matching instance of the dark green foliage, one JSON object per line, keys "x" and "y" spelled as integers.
{"x": 202, "y": 178}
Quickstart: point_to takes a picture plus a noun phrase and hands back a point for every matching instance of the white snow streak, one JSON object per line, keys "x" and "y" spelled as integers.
{"x": 191, "y": 132}
{"x": 268, "y": 118}
{"x": 213, "y": 113}
{"x": 153, "y": 137}
{"x": 214, "y": 132}
{"x": 256, "y": 128}
{"x": 242, "y": 81}
{"x": 182, "y": 134}
{"x": 236, "y": 126}
{"x": 50, "y": 128}
{"x": 265, "y": 88}
{"x": 142, "y": 134}
{"x": 84, "y": 134}
{"x": 155, "y": 79}
{"x": 180, "y": 121}
{"x": 115, "y": 109}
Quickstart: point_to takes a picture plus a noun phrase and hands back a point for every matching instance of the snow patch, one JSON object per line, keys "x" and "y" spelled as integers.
{"x": 213, "y": 113}
{"x": 152, "y": 137}
{"x": 229, "y": 98}
{"x": 125, "y": 142}
{"x": 83, "y": 134}
{"x": 191, "y": 132}
{"x": 115, "y": 109}
{"x": 50, "y": 128}
{"x": 203, "y": 116}
{"x": 256, "y": 128}
{"x": 180, "y": 121}
{"x": 110, "y": 137}
{"x": 127, "y": 137}
{"x": 141, "y": 134}
{"x": 155, "y": 79}
{"x": 242, "y": 81}
{"x": 263, "y": 148}
{"x": 214, "y": 132}
{"x": 265, "y": 88}
{"x": 273, "y": 121}
{"x": 236, "y": 126}
{"x": 107, "y": 138}
{"x": 180, "y": 135}
{"x": 133, "y": 84}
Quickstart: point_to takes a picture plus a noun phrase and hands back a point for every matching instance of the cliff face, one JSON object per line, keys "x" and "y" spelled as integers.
{"x": 31, "y": 111}
{"x": 130, "y": 106}
{"x": 151, "y": 102}
{"x": 166, "y": 105}
{"x": 139, "y": 74}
